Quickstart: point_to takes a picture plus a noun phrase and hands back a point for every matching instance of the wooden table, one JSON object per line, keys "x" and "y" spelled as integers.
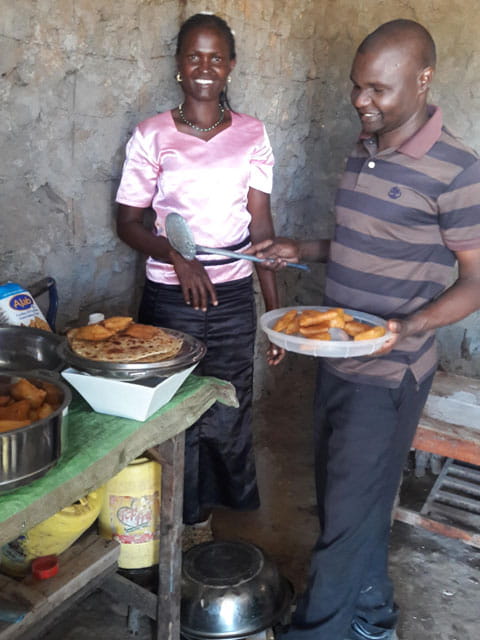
{"x": 450, "y": 427}
{"x": 99, "y": 446}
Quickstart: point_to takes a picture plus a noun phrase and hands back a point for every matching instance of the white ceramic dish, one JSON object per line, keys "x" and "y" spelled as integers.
{"x": 137, "y": 400}
{"x": 323, "y": 348}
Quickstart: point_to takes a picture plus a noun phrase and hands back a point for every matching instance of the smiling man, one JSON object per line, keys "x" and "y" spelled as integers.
{"x": 407, "y": 212}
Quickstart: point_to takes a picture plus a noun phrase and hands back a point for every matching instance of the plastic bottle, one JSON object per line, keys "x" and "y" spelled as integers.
{"x": 93, "y": 318}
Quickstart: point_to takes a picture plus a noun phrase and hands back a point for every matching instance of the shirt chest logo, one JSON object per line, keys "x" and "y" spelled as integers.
{"x": 394, "y": 193}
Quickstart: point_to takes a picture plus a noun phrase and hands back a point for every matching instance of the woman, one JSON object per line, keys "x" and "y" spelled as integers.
{"x": 214, "y": 167}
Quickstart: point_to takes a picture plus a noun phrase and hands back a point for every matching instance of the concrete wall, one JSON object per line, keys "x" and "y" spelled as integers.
{"x": 76, "y": 75}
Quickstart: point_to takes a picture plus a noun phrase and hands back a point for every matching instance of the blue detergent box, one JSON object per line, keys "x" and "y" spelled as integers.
{"x": 18, "y": 308}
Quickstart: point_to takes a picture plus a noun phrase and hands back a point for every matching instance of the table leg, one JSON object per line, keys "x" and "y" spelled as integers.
{"x": 170, "y": 454}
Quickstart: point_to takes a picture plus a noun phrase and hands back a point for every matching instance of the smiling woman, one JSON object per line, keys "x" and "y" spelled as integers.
{"x": 213, "y": 166}
{"x": 205, "y": 58}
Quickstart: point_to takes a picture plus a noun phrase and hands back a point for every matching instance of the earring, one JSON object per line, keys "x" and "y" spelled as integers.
{"x": 229, "y": 79}
{"x": 178, "y": 77}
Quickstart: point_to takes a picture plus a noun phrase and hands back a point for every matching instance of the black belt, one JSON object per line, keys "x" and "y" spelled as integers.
{"x": 216, "y": 262}
{"x": 219, "y": 261}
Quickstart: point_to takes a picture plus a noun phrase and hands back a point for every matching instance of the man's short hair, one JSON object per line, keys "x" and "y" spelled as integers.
{"x": 399, "y": 31}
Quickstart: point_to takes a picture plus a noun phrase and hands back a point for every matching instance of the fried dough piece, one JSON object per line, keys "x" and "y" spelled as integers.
{"x": 117, "y": 323}
{"x": 311, "y": 316}
{"x": 283, "y": 322}
{"x": 25, "y": 390}
{"x": 44, "y": 411}
{"x": 338, "y": 322}
{"x": 17, "y": 411}
{"x": 54, "y": 395}
{"x": 354, "y": 327}
{"x": 314, "y": 328}
{"x": 293, "y": 326}
{"x": 9, "y": 425}
{"x": 93, "y": 332}
{"x": 4, "y": 400}
{"x": 320, "y": 335}
{"x": 372, "y": 333}
{"x": 142, "y": 331}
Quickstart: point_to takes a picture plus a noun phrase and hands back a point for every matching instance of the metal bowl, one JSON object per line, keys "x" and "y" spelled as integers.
{"x": 26, "y": 349}
{"x": 231, "y": 590}
{"x": 29, "y": 452}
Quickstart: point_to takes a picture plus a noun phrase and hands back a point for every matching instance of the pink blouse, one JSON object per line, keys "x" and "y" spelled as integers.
{"x": 206, "y": 182}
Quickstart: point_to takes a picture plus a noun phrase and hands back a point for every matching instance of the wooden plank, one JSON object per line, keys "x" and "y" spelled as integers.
{"x": 455, "y": 399}
{"x": 80, "y": 564}
{"x": 450, "y": 423}
{"x": 123, "y": 590}
{"x": 450, "y": 441}
{"x": 40, "y": 627}
{"x": 415, "y": 519}
{"x": 170, "y": 563}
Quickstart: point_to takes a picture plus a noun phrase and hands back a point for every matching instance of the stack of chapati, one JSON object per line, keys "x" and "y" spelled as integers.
{"x": 119, "y": 339}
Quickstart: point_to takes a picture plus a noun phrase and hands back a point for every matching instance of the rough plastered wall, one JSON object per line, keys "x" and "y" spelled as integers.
{"x": 76, "y": 75}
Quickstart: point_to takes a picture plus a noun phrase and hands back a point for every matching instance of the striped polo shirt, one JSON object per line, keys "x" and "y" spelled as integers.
{"x": 401, "y": 214}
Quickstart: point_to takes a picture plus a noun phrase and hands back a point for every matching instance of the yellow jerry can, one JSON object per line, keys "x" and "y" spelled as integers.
{"x": 130, "y": 513}
{"x": 52, "y": 536}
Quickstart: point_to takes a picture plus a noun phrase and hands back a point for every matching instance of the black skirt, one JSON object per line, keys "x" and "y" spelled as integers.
{"x": 219, "y": 460}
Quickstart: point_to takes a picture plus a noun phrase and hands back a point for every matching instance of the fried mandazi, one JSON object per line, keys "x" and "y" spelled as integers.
{"x": 316, "y": 324}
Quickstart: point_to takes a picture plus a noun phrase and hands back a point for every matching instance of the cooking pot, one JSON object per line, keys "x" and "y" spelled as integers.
{"x": 231, "y": 590}
{"x": 26, "y": 349}
{"x": 29, "y": 452}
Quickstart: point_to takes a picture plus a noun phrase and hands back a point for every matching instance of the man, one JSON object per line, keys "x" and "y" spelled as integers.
{"x": 407, "y": 212}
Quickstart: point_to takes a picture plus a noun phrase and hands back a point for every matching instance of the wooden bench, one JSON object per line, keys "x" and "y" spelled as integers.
{"x": 450, "y": 427}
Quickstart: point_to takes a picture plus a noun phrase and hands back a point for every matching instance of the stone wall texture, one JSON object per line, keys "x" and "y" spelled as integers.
{"x": 77, "y": 75}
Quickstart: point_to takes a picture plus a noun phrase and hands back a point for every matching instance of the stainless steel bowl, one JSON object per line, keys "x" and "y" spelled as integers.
{"x": 29, "y": 452}
{"x": 26, "y": 349}
{"x": 231, "y": 590}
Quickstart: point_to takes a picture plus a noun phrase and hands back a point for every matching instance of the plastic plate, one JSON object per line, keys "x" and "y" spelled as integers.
{"x": 323, "y": 348}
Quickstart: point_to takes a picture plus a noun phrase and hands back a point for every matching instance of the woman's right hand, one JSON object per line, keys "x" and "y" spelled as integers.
{"x": 197, "y": 288}
{"x": 278, "y": 251}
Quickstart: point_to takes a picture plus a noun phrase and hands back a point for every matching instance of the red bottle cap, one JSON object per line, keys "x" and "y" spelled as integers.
{"x": 45, "y": 567}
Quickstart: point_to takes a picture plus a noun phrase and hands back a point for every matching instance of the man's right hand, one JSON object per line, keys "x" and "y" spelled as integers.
{"x": 277, "y": 251}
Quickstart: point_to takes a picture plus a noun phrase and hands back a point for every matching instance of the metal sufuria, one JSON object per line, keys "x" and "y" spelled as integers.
{"x": 232, "y": 590}
{"x": 27, "y": 453}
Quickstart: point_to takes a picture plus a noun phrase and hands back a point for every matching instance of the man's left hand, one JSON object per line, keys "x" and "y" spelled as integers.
{"x": 398, "y": 330}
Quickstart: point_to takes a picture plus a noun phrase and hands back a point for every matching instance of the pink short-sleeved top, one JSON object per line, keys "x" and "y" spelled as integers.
{"x": 206, "y": 182}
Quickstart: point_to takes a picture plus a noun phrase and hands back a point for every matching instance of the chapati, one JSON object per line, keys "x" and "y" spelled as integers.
{"x": 152, "y": 344}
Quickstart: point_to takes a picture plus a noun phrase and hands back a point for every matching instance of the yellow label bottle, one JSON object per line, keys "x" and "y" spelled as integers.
{"x": 130, "y": 513}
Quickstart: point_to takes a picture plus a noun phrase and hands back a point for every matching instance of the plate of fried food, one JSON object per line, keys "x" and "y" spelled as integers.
{"x": 120, "y": 348}
{"x": 325, "y": 331}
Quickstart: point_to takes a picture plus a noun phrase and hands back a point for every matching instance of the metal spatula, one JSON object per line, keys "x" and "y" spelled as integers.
{"x": 181, "y": 238}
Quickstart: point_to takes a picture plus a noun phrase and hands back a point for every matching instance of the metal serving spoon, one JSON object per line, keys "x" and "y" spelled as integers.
{"x": 181, "y": 238}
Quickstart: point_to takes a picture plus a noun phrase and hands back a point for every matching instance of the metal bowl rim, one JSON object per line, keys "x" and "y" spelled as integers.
{"x": 48, "y": 335}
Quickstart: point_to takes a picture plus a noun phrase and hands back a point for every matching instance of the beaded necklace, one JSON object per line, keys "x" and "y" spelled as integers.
{"x": 202, "y": 129}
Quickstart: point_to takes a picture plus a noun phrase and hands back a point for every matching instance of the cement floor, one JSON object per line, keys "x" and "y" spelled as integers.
{"x": 437, "y": 579}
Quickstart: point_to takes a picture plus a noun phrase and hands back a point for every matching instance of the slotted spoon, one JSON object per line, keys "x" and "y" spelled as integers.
{"x": 181, "y": 238}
